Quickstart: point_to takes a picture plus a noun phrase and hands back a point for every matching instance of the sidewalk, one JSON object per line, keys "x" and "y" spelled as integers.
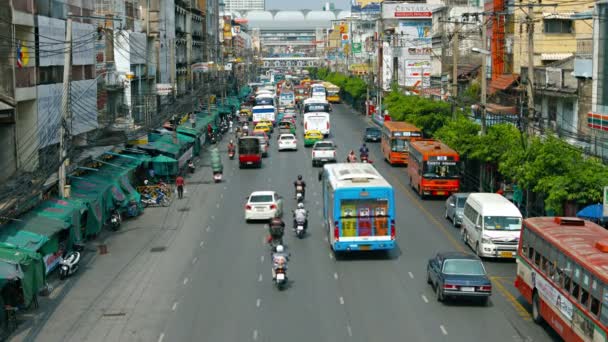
{"x": 106, "y": 298}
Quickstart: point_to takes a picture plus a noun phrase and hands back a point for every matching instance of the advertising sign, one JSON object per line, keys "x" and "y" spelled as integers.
{"x": 416, "y": 38}
{"x": 552, "y": 296}
{"x": 164, "y": 88}
{"x": 408, "y": 11}
{"x": 356, "y": 48}
{"x": 366, "y": 6}
{"x": 387, "y": 66}
{"x": 417, "y": 74}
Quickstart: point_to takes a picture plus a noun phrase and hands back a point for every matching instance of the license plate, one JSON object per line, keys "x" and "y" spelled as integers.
{"x": 281, "y": 276}
{"x": 365, "y": 247}
{"x": 506, "y": 254}
{"x": 259, "y": 209}
{"x": 249, "y": 163}
{"x": 467, "y": 289}
{"x": 440, "y": 193}
{"x": 325, "y": 159}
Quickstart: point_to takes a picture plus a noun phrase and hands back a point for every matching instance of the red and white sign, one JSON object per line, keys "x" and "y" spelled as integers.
{"x": 345, "y": 37}
{"x": 408, "y": 11}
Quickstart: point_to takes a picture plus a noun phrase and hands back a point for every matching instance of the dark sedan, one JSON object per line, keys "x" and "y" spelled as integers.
{"x": 458, "y": 274}
{"x": 372, "y": 134}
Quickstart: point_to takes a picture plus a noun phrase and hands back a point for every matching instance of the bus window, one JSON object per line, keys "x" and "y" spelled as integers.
{"x": 398, "y": 145}
{"x": 604, "y": 314}
{"x": 362, "y": 217}
{"x": 441, "y": 170}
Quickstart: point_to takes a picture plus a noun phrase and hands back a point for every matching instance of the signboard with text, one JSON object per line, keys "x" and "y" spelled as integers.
{"x": 408, "y": 11}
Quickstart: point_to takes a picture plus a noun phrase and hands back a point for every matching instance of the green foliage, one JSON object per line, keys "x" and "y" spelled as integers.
{"x": 461, "y": 134}
{"x": 499, "y": 140}
{"x": 427, "y": 114}
{"x": 352, "y": 85}
{"x": 472, "y": 94}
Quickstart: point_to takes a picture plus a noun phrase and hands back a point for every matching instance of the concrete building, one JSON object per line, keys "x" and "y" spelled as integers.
{"x": 245, "y": 5}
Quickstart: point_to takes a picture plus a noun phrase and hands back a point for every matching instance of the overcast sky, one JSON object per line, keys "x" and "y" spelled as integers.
{"x": 306, "y": 4}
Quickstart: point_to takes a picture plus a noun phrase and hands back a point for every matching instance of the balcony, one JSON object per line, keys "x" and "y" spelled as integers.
{"x": 25, "y": 82}
{"x": 584, "y": 47}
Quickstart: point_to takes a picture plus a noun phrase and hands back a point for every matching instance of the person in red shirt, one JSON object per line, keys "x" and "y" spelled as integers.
{"x": 179, "y": 182}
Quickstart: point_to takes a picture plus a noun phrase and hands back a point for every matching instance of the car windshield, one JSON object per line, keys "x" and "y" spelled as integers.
{"x": 372, "y": 131}
{"x": 324, "y": 146}
{"x": 460, "y": 201}
{"x": 398, "y": 145}
{"x": 441, "y": 170}
{"x": 463, "y": 267}
{"x": 502, "y": 223}
{"x": 287, "y": 137}
{"x": 260, "y": 198}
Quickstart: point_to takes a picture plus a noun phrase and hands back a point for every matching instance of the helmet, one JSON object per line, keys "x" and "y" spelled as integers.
{"x": 280, "y": 249}
{"x": 300, "y": 205}
{"x": 299, "y": 177}
{"x": 363, "y": 144}
{"x": 232, "y": 142}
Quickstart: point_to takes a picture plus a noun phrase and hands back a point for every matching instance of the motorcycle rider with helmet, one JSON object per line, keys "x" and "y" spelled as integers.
{"x": 231, "y": 146}
{"x": 279, "y": 260}
{"x": 300, "y": 183}
{"x": 300, "y": 214}
{"x": 363, "y": 152}
{"x": 276, "y": 229}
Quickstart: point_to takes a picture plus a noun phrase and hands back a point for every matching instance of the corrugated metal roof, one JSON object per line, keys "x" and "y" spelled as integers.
{"x": 555, "y": 56}
{"x": 502, "y": 82}
{"x": 558, "y": 15}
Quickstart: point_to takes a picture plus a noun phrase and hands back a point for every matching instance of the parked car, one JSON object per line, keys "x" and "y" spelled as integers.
{"x": 263, "y": 205}
{"x": 372, "y": 134}
{"x": 323, "y": 152}
{"x": 454, "y": 207}
{"x": 287, "y": 142}
{"x": 458, "y": 275}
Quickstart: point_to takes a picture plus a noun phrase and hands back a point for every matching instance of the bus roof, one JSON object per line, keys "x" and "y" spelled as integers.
{"x": 582, "y": 240}
{"x": 494, "y": 204}
{"x": 262, "y": 107}
{"x": 315, "y": 100}
{"x": 431, "y": 147}
{"x": 344, "y": 175}
{"x": 401, "y": 126}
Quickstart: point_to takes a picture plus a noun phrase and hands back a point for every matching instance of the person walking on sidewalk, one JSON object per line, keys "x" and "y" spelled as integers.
{"x": 179, "y": 182}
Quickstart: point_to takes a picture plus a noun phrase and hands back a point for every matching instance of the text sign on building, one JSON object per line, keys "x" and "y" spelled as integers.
{"x": 408, "y": 11}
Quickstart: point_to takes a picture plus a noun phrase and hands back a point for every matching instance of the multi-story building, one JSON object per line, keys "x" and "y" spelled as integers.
{"x": 244, "y": 5}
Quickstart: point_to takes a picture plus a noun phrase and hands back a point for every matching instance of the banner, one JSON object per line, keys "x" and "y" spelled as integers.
{"x": 387, "y": 66}
{"x": 366, "y": 6}
{"x": 551, "y": 296}
{"x": 415, "y": 36}
{"x": 356, "y": 48}
{"x": 164, "y": 88}
{"x": 408, "y": 11}
{"x": 417, "y": 74}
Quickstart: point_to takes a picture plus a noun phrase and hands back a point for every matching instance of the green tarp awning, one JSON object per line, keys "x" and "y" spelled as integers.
{"x": 26, "y": 266}
{"x": 164, "y": 166}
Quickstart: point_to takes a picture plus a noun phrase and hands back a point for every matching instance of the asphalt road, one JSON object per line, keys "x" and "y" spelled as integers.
{"x": 213, "y": 281}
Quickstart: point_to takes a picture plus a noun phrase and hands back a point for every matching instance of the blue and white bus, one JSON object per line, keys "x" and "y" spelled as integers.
{"x": 260, "y": 113}
{"x": 358, "y": 208}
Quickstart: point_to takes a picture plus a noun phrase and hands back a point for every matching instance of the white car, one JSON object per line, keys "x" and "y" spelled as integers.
{"x": 263, "y": 205}
{"x": 288, "y": 142}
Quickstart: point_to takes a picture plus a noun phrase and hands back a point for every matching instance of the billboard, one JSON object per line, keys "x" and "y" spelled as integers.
{"x": 408, "y": 11}
{"x": 366, "y": 6}
{"x": 415, "y": 36}
{"x": 416, "y": 74}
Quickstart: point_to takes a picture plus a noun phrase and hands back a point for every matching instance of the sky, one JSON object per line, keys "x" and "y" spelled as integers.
{"x": 304, "y": 4}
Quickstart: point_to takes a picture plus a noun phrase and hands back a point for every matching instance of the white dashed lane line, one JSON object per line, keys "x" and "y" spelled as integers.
{"x": 255, "y": 335}
{"x": 186, "y": 280}
{"x": 258, "y": 303}
{"x": 349, "y": 330}
{"x": 335, "y": 275}
{"x": 260, "y": 278}
{"x": 174, "y": 307}
{"x": 411, "y": 275}
{"x": 201, "y": 244}
{"x": 426, "y": 300}
{"x": 161, "y": 337}
{"x": 262, "y": 258}
{"x": 443, "y": 331}
{"x": 341, "y": 300}
{"x": 194, "y": 260}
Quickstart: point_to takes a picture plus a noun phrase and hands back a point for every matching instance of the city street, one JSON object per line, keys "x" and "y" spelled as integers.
{"x": 195, "y": 271}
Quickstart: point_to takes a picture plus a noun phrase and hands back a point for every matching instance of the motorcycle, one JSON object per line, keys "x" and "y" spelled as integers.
{"x": 281, "y": 278}
{"x": 300, "y": 228}
{"x": 365, "y": 159}
{"x": 191, "y": 167}
{"x": 213, "y": 138}
{"x": 231, "y": 153}
{"x": 69, "y": 264}
{"x": 217, "y": 177}
{"x": 299, "y": 193}
{"x": 160, "y": 199}
{"x": 274, "y": 242}
{"x": 115, "y": 220}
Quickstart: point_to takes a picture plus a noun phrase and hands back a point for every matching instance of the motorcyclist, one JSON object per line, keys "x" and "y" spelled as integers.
{"x": 300, "y": 214}
{"x": 300, "y": 183}
{"x": 231, "y": 146}
{"x": 351, "y": 158}
{"x": 191, "y": 166}
{"x": 363, "y": 151}
{"x": 279, "y": 260}
{"x": 276, "y": 229}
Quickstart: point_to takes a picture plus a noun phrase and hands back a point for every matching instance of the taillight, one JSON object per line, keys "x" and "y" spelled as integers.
{"x": 248, "y": 207}
{"x": 336, "y": 231}
{"x": 314, "y": 154}
{"x": 334, "y": 154}
{"x": 486, "y": 288}
{"x": 450, "y": 287}
{"x": 327, "y": 124}
{"x": 273, "y": 206}
{"x": 393, "y": 232}
{"x": 305, "y": 125}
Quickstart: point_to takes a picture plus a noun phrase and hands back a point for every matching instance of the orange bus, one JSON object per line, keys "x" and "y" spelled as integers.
{"x": 562, "y": 271}
{"x": 395, "y": 135}
{"x": 433, "y": 168}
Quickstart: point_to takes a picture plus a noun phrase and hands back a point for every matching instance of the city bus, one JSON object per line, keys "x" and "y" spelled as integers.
{"x": 358, "y": 208}
{"x": 433, "y": 168}
{"x": 333, "y": 92}
{"x": 394, "y": 141}
{"x": 316, "y": 105}
{"x": 302, "y": 93}
{"x": 562, "y": 265}
{"x": 266, "y": 112}
{"x": 318, "y": 91}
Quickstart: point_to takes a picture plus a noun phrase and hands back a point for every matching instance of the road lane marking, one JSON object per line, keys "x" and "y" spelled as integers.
{"x": 194, "y": 260}
{"x": 411, "y": 275}
{"x": 425, "y": 299}
{"x": 186, "y": 280}
{"x": 258, "y": 302}
{"x": 208, "y": 229}
{"x": 260, "y": 278}
{"x": 325, "y": 238}
{"x": 212, "y": 217}
{"x": 331, "y": 256}
{"x": 225, "y": 187}
{"x": 335, "y": 275}
{"x": 174, "y": 307}
{"x": 217, "y": 205}
{"x": 349, "y": 330}
{"x": 221, "y": 195}
{"x": 201, "y": 244}
{"x": 523, "y": 313}
{"x": 342, "y": 300}
{"x": 255, "y": 335}
{"x": 262, "y": 258}
{"x": 161, "y": 337}
{"x": 443, "y": 331}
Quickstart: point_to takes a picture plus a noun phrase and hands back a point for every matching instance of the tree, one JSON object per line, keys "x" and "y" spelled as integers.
{"x": 461, "y": 134}
{"x": 500, "y": 139}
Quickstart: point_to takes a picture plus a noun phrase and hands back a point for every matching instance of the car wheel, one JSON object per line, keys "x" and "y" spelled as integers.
{"x": 446, "y": 216}
{"x": 536, "y": 316}
{"x": 454, "y": 222}
{"x": 428, "y": 277}
{"x": 439, "y": 293}
{"x": 485, "y": 301}
{"x": 477, "y": 250}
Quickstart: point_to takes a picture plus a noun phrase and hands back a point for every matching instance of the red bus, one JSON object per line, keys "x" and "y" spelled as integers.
{"x": 433, "y": 168}
{"x": 395, "y": 137}
{"x": 562, "y": 271}
{"x": 250, "y": 151}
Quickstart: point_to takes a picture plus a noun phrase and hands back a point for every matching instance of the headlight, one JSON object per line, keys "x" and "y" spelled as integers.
{"x": 486, "y": 240}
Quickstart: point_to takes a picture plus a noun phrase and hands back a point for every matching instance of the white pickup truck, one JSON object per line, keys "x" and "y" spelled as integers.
{"x": 323, "y": 152}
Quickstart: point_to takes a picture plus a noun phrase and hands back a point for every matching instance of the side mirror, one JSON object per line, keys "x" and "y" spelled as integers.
{"x": 452, "y": 205}
{"x": 477, "y": 227}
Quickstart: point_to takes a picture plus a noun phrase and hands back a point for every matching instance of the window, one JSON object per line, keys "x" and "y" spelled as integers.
{"x": 576, "y": 280}
{"x": 604, "y": 309}
{"x": 558, "y": 26}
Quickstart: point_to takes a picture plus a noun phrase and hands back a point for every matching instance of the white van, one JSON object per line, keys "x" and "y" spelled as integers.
{"x": 491, "y": 225}
{"x": 317, "y": 121}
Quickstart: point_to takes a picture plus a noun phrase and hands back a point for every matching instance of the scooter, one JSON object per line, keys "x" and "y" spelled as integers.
{"x": 274, "y": 242}
{"x": 300, "y": 228}
{"x": 69, "y": 264}
{"x": 231, "y": 154}
{"x": 213, "y": 138}
{"x": 191, "y": 167}
{"x": 365, "y": 159}
{"x": 159, "y": 200}
{"x": 115, "y": 220}
{"x": 281, "y": 278}
{"x": 217, "y": 177}
{"x": 299, "y": 194}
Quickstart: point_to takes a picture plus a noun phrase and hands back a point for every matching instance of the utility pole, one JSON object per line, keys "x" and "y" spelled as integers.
{"x": 455, "y": 52}
{"x": 530, "y": 121}
{"x": 65, "y": 107}
{"x": 484, "y": 76}
{"x": 380, "y": 56}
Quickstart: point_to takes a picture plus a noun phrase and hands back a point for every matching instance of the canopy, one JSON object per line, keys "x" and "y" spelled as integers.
{"x": 592, "y": 212}
{"x": 23, "y": 265}
{"x": 164, "y": 166}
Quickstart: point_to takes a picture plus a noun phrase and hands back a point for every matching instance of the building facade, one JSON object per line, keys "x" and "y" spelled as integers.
{"x": 245, "y": 5}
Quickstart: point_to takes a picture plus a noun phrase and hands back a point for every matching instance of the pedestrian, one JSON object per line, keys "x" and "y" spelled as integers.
{"x": 179, "y": 182}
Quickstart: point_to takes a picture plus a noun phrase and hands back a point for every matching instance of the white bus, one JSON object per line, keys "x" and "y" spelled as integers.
{"x": 318, "y": 91}
{"x": 491, "y": 225}
{"x": 317, "y": 121}
{"x": 266, "y": 112}
{"x": 316, "y": 105}
{"x": 264, "y": 100}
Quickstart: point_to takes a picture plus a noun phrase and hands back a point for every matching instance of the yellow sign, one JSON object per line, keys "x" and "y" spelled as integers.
{"x": 227, "y": 31}
{"x": 346, "y": 48}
